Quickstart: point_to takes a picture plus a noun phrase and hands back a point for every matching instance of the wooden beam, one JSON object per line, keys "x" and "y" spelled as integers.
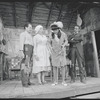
{"x": 49, "y": 14}
{"x": 14, "y": 13}
{"x": 46, "y": 5}
{"x": 96, "y": 62}
{"x": 70, "y": 21}
{"x": 30, "y": 11}
{"x": 59, "y": 16}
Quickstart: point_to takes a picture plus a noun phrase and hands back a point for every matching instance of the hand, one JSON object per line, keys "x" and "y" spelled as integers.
{"x": 36, "y": 57}
{"x": 21, "y": 54}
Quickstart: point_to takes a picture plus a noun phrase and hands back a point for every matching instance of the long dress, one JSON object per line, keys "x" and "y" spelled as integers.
{"x": 41, "y": 51}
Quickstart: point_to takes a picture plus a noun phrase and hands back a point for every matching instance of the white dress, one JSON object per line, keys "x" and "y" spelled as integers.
{"x": 41, "y": 50}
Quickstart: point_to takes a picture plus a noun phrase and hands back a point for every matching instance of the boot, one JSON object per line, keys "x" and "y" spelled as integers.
{"x": 72, "y": 75}
{"x": 82, "y": 79}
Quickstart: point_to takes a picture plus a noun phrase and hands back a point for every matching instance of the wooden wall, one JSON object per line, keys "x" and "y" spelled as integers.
{"x": 92, "y": 19}
{"x": 12, "y": 37}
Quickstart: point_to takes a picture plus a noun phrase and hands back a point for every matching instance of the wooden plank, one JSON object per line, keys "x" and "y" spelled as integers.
{"x": 49, "y": 15}
{"x": 14, "y": 13}
{"x": 30, "y": 12}
{"x": 6, "y": 4}
{"x": 61, "y": 8}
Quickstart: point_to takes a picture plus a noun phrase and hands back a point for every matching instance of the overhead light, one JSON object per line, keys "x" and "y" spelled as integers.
{"x": 96, "y": 2}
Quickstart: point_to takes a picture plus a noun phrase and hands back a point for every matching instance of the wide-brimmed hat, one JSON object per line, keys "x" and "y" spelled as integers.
{"x": 59, "y": 24}
{"x": 54, "y": 27}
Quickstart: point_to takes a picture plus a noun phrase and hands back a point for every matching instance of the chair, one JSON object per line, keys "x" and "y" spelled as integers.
{"x": 14, "y": 67}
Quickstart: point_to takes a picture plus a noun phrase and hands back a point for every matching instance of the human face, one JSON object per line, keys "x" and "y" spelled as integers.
{"x": 29, "y": 28}
{"x": 41, "y": 30}
{"x": 76, "y": 29}
{"x": 56, "y": 31}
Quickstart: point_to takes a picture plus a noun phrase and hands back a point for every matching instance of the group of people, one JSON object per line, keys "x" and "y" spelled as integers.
{"x": 40, "y": 52}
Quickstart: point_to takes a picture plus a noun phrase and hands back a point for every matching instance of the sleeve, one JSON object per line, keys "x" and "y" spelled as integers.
{"x": 50, "y": 39}
{"x": 22, "y": 40}
{"x": 66, "y": 40}
{"x": 79, "y": 38}
{"x": 35, "y": 45}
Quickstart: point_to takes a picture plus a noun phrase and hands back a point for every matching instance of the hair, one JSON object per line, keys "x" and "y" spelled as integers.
{"x": 77, "y": 26}
{"x": 58, "y": 35}
{"x": 26, "y": 25}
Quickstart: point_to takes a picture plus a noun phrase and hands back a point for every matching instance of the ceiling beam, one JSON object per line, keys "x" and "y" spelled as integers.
{"x": 70, "y": 21}
{"x": 46, "y": 5}
{"x": 51, "y": 7}
{"x": 30, "y": 11}
{"x": 14, "y": 13}
{"x": 76, "y": 8}
{"x": 59, "y": 16}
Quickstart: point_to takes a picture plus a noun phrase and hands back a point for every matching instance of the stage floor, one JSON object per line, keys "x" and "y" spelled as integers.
{"x": 14, "y": 89}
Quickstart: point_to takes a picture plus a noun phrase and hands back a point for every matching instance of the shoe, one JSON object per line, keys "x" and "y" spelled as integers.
{"x": 29, "y": 83}
{"x": 72, "y": 81}
{"x": 54, "y": 84}
{"x": 83, "y": 81}
{"x": 64, "y": 83}
{"x": 40, "y": 84}
{"x": 25, "y": 86}
{"x": 44, "y": 82}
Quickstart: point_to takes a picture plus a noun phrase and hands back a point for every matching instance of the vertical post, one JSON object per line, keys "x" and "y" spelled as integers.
{"x": 96, "y": 62}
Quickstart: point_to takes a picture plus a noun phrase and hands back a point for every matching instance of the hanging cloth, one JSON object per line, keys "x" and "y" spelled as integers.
{"x": 79, "y": 20}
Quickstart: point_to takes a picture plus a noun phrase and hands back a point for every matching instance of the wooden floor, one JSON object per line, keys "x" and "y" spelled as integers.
{"x": 13, "y": 89}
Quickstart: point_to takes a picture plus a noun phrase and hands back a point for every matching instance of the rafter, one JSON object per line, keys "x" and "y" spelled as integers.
{"x": 14, "y": 13}
{"x": 46, "y": 5}
{"x": 70, "y": 21}
{"x": 49, "y": 14}
{"x": 59, "y": 16}
{"x": 30, "y": 10}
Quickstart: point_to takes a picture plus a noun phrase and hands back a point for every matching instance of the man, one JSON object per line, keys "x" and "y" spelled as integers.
{"x": 26, "y": 50}
{"x": 76, "y": 53}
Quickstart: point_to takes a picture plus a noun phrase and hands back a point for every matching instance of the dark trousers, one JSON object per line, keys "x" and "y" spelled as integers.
{"x": 76, "y": 56}
{"x": 25, "y": 77}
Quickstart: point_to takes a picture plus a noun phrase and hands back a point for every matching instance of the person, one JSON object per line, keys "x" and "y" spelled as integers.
{"x": 41, "y": 62}
{"x": 58, "y": 57}
{"x": 76, "y": 48}
{"x": 88, "y": 54}
{"x": 26, "y": 51}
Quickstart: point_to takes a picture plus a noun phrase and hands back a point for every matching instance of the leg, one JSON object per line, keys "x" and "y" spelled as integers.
{"x": 81, "y": 69}
{"x": 63, "y": 76}
{"x": 24, "y": 79}
{"x": 55, "y": 75}
{"x": 73, "y": 60}
{"x": 39, "y": 77}
{"x": 43, "y": 77}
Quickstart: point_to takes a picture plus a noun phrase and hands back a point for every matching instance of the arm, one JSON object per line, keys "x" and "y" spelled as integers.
{"x": 71, "y": 39}
{"x": 22, "y": 40}
{"x": 35, "y": 46}
{"x": 66, "y": 41}
{"x": 78, "y": 37}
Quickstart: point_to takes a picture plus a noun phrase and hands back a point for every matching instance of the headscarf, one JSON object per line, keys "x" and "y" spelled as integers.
{"x": 57, "y": 24}
{"x": 37, "y": 28}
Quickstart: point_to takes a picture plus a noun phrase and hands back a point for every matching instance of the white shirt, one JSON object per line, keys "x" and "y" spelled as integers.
{"x": 25, "y": 38}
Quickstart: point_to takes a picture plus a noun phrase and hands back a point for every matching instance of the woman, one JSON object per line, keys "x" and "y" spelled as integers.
{"x": 41, "y": 62}
{"x": 58, "y": 42}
